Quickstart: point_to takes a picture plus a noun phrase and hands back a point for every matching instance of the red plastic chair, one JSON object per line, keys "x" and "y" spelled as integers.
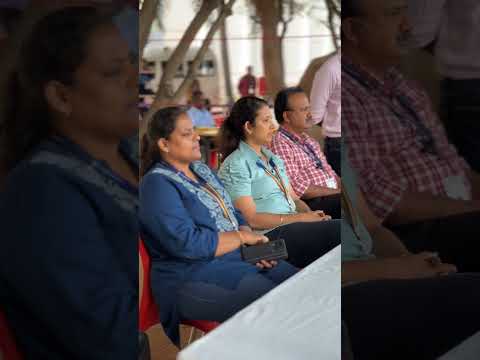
{"x": 148, "y": 313}
{"x": 8, "y": 347}
{"x": 204, "y": 326}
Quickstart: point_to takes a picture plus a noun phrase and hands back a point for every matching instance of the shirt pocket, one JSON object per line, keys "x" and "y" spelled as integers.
{"x": 262, "y": 185}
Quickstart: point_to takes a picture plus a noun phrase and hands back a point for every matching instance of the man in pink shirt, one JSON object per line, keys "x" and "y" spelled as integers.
{"x": 451, "y": 30}
{"x": 326, "y": 103}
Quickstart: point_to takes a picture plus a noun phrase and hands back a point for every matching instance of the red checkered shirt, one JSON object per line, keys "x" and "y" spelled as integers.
{"x": 384, "y": 151}
{"x": 301, "y": 168}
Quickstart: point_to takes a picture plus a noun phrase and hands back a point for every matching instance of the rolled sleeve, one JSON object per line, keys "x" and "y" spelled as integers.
{"x": 241, "y": 220}
{"x": 164, "y": 217}
{"x": 236, "y": 178}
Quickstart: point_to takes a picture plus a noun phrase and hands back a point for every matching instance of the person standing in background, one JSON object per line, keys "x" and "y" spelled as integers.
{"x": 451, "y": 31}
{"x": 248, "y": 83}
{"x": 325, "y": 99}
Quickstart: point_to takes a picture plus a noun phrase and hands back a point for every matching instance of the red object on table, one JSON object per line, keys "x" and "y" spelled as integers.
{"x": 219, "y": 119}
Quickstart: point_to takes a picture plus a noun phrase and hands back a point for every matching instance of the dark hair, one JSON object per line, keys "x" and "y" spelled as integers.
{"x": 281, "y": 101}
{"x": 54, "y": 49}
{"x": 161, "y": 125}
{"x": 232, "y": 132}
{"x": 351, "y": 8}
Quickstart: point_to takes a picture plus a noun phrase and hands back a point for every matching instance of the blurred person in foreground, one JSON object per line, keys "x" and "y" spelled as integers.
{"x": 68, "y": 259}
{"x": 412, "y": 177}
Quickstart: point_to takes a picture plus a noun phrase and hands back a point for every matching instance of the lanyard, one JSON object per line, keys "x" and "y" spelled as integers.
{"x": 207, "y": 187}
{"x": 276, "y": 177}
{"x": 305, "y": 147}
{"x": 218, "y": 198}
{"x": 424, "y": 134}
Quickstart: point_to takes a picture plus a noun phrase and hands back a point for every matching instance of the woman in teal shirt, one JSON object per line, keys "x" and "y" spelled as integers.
{"x": 398, "y": 305}
{"x": 257, "y": 183}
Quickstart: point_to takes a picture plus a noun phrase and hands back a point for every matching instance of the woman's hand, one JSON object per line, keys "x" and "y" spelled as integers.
{"x": 313, "y": 216}
{"x": 264, "y": 264}
{"x": 422, "y": 265}
{"x": 251, "y": 238}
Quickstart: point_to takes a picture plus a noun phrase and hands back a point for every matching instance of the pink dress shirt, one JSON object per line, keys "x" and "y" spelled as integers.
{"x": 326, "y": 98}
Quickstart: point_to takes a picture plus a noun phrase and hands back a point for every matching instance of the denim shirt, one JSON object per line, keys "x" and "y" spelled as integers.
{"x": 68, "y": 255}
{"x": 180, "y": 225}
{"x": 243, "y": 175}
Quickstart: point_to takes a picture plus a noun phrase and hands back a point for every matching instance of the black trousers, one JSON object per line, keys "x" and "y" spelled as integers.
{"x": 333, "y": 153}
{"x": 143, "y": 346}
{"x": 330, "y": 205}
{"x": 306, "y": 242}
{"x": 460, "y": 109}
{"x": 411, "y": 319}
{"x": 455, "y": 238}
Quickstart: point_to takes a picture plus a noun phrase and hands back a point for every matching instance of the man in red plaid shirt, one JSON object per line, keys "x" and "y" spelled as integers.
{"x": 407, "y": 169}
{"x": 311, "y": 177}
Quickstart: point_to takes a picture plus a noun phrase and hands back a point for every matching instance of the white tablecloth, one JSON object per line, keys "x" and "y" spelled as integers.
{"x": 467, "y": 350}
{"x": 298, "y": 320}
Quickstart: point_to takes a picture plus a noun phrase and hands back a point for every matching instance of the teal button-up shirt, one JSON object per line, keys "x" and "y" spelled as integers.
{"x": 243, "y": 175}
{"x": 354, "y": 247}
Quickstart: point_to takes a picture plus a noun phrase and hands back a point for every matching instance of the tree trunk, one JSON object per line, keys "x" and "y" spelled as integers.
{"x": 333, "y": 12}
{"x": 271, "y": 46}
{"x": 165, "y": 100}
{"x": 147, "y": 16}
{"x": 226, "y": 63}
{"x": 163, "y": 97}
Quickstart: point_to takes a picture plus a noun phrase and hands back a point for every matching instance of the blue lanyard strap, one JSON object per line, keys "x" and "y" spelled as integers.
{"x": 424, "y": 134}
{"x": 305, "y": 147}
{"x": 276, "y": 177}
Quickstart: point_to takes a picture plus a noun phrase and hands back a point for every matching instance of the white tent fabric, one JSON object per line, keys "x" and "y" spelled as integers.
{"x": 299, "y": 319}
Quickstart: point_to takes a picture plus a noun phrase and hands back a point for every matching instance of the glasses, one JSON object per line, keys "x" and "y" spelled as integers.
{"x": 303, "y": 110}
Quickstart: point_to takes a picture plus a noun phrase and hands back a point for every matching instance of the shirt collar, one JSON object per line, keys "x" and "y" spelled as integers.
{"x": 391, "y": 80}
{"x": 247, "y": 149}
{"x": 195, "y": 166}
{"x": 300, "y": 138}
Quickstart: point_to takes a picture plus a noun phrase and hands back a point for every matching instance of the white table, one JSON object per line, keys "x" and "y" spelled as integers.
{"x": 298, "y": 320}
{"x": 467, "y": 350}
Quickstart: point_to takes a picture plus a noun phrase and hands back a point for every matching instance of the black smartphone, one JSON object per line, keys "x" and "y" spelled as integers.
{"x": 272, "y": 250}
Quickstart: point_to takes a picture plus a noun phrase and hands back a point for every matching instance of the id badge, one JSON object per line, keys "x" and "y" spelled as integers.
{"x": 456, "y": 188}
{"x": 332, "y": 183}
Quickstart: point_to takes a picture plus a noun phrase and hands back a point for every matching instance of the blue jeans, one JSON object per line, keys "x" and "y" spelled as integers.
{"x": 206, "y": 301}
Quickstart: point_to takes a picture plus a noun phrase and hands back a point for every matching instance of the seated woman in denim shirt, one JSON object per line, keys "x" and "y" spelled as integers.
{"x": 68, "y": 210}
{"x": 258, "y": 184}
{"x": 398, "y": 305}
{"x": 192, "y": 231}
